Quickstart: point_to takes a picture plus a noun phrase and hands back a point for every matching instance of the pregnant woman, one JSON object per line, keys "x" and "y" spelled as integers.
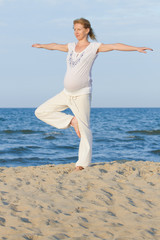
{"x": 77, "y": 91}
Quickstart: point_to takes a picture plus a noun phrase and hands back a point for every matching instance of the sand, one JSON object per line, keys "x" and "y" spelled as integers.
{"x": 117, "y": 200}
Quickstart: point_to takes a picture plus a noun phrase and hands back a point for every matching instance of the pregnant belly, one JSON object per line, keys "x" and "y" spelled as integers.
{"x": 74, "y": 84}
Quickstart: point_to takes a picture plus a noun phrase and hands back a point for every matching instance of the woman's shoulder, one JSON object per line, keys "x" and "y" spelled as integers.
{"x": 95, "y": 46}
{"x": 71, "y": 44}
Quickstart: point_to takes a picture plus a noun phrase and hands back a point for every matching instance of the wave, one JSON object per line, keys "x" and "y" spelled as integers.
{"x": 66, "y": 159}
{"x": 50, "y": 137}
{"x": 146, "y": 132}
{"x": 32, "y": 147}
{"x": 23, "y": 131}
{"x": 156, "y": 152}
{"x": 134, "y": 138}
{"x": 18, "y": 150}
{"x": 114, "y": 140}
{"x": 54, "y": 133}
{"x": 67, "y": 147}
{"x": 30, "y": 161}
{"x": 28, "y": 131}
{"x": 102, "y": 139}
{"x": 2, "y": 119}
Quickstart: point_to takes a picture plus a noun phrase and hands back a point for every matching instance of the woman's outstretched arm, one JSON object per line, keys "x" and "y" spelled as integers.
{"x": 121, "y": 47}
{"x": 52, "y": 46}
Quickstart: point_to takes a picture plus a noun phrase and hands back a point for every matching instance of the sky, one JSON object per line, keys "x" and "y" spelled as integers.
{"x": 30, "y": 76}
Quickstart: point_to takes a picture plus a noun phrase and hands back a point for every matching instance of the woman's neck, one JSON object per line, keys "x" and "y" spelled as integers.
{"x": 83, "y": 42}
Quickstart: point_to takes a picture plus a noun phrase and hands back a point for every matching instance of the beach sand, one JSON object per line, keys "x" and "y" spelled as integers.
{"x": 117, "y": 200}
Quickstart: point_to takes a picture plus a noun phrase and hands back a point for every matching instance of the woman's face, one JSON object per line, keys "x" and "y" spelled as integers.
{"x": 80, "y": 32}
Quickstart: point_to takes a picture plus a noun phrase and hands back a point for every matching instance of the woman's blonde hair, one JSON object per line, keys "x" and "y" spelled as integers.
{"x": 86, "y": 24}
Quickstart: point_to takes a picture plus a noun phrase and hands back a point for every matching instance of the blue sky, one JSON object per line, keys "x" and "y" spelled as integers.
{"x": 30, "y": 76}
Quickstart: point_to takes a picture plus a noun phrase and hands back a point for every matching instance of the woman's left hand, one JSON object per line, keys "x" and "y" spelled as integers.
{"x": 143, "y": 49}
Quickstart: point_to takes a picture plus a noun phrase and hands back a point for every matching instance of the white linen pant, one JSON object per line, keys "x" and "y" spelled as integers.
{"x": 51, "y": 113}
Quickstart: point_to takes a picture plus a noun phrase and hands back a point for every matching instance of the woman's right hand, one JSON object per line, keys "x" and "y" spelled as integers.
{"x": 37, "y": 45}
{"x": 52, "y": 46}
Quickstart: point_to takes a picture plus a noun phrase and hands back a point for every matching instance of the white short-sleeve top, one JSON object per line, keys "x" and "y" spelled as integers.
{"x": 78, "y": 78}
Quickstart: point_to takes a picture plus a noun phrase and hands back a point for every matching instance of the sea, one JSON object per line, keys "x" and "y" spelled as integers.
{"x": 119, "y": 134}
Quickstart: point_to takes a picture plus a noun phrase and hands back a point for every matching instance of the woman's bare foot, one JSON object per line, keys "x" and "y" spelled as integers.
{"x": 74, "y": 124}
{"x": 78, "y": 168}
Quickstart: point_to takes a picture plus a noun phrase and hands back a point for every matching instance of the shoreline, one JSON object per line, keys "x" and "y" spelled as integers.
{"x": 113, "y": 200}
{"x": 73, "y": 164}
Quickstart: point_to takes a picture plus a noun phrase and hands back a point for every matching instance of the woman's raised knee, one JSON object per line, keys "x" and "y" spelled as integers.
{"x": 38, "y": 113}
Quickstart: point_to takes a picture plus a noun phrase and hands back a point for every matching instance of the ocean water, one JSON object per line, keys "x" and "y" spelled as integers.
{"x": 118, "y": 134}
